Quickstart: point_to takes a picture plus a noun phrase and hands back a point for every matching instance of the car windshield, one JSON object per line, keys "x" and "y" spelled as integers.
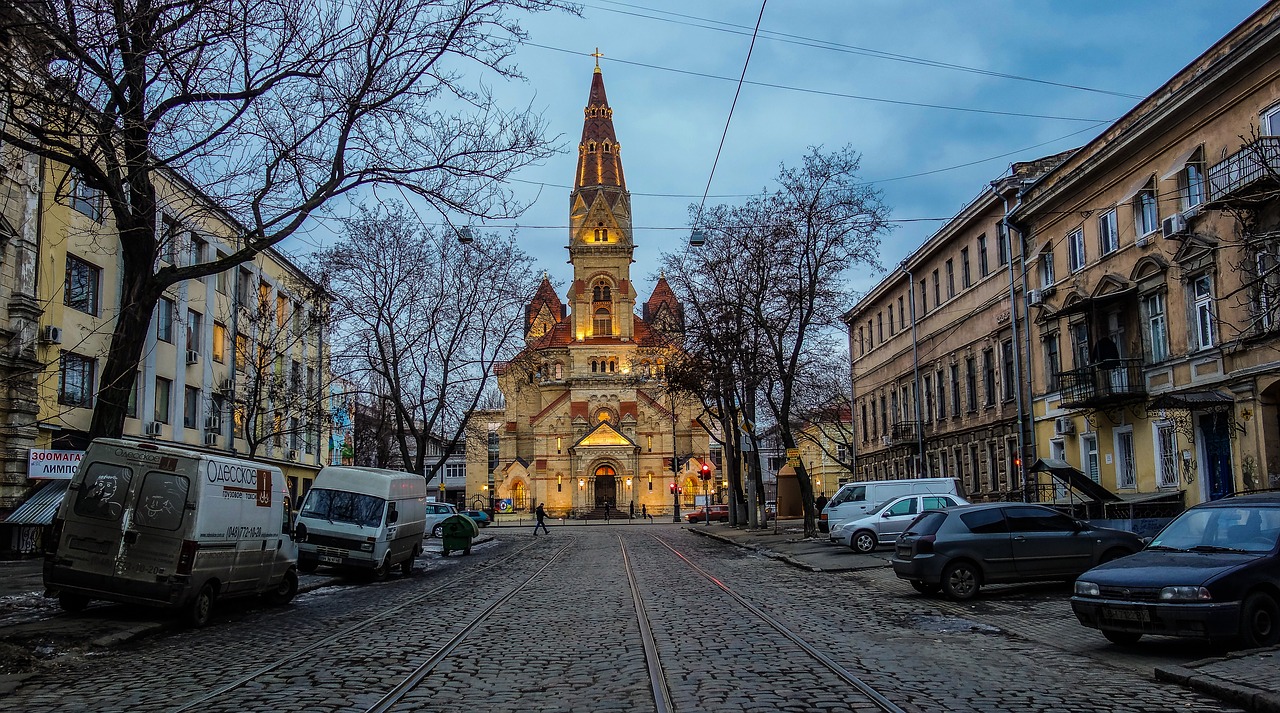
{"x": 844, "y": 495}
{"x": 341, "y": 506}
{"x": 1241, "y": 528}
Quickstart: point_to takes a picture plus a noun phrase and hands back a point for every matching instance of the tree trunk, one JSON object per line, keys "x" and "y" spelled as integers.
{"x": 138, "y": 297}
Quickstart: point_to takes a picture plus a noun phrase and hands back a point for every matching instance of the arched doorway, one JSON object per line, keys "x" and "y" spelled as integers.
{"x": 606, "y": 486}
{"x": 520, "y": 496}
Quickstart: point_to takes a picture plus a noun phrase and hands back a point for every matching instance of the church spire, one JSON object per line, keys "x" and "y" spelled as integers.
{"x": 599, "y": 155}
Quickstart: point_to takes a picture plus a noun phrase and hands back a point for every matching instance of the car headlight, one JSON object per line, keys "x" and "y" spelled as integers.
{"x": 1185, "y": 594}
{"x": 1087, "y": 589}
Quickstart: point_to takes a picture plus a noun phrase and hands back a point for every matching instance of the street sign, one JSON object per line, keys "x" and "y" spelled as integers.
{"x": 793, "y": 457}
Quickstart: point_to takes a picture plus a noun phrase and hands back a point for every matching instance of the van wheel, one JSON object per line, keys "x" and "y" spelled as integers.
{"x": 383, "y": 569}
{"x": 961, "y": 580}
{"x": 200, "y": 610}
{"x": 285, "y": 590}
{"x": 438, "y": 530}
{"x": 863, "y": 542}
{"x": 73, "y": 603}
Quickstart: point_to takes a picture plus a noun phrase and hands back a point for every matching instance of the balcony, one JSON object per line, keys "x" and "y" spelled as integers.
{"x": 1239, "y": 175}
{"x": 903, "y": 433}
{"x": 1096, "y": 387}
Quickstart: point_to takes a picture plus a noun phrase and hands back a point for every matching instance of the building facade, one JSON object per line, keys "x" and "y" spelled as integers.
{"x": 587, "y": 424}
{"x": 1152, "y": 260}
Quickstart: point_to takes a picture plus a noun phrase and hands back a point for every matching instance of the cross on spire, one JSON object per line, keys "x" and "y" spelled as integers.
{"x": 597, "y": 55}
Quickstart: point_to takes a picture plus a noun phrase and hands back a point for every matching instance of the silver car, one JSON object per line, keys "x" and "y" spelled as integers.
{"x": 884, "y": 522}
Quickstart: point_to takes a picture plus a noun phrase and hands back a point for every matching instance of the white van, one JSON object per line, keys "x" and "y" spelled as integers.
{"x": 144, "y": 523}
{"x": 366, "y": 519}
{"x": 854, "y": 499}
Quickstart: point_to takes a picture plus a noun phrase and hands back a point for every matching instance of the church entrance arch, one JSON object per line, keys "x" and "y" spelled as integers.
{"x": 606, "y": 486}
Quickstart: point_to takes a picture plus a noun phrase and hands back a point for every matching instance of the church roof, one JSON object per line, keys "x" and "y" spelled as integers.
{"x": 599, "y": 157}
{"x": 662, "y": 295}
{"x": 546, "y": 295}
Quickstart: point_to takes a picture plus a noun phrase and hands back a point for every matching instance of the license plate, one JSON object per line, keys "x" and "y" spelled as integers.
{"x": 1126, "y": 614}
{"x": 331, "y": 560}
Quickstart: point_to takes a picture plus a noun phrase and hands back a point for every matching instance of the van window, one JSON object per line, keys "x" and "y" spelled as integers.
{"x": 103, "y": 491}
{"x": 162, "y": 501}
{"x": 340, "y": 506}
{"x": 847, "y": 495}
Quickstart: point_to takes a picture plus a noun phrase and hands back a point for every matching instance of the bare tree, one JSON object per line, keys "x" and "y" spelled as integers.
{"x": 423, "y": 321}
{"x": 271, "y": 108}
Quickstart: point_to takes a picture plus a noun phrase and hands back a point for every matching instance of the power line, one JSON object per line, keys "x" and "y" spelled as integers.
{"x": 803, "y": 41}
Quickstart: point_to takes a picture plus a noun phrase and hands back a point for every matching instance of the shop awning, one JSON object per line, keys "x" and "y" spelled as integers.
{"x": 40, "y": 508}
{"x": 1192, "y": 400}
{"x": 1070, "y": 475}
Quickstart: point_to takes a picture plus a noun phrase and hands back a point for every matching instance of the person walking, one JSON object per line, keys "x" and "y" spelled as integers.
{"x": 542, "y": 521}
{"x": 644, "y": 512}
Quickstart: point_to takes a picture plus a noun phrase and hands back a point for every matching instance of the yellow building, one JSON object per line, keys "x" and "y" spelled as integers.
{"x": 587, "y": 423}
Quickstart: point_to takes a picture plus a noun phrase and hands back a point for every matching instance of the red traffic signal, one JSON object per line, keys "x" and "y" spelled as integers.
{"x": 673, "y": 488}
{"x": 706, "y": 471}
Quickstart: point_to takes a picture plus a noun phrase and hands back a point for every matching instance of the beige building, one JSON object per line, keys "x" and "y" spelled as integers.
{"x": 586, "y": 421}
{"x": 1151, "y": 257}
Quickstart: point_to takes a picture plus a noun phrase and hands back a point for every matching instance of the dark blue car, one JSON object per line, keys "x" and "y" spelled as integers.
{"x": 1214, "y": 572}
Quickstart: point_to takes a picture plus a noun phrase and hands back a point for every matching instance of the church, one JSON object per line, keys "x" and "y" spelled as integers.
{"x": 588, "y": 426}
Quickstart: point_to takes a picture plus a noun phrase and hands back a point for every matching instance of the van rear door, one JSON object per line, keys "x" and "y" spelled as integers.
{"x": 153, "y": 540}
{"x": 94, "y": 522}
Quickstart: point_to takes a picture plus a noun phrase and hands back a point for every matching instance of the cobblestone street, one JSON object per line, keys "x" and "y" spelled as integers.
{"x": 570, "y": 639}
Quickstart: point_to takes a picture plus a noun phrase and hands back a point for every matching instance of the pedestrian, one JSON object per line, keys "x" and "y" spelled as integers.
{"x": 631, "y": 513}
{"x": 820, "y": 502}
{"x": 644, "y": 512}
{"x": 542, "y": 521}
{"x": 606, "y": 511}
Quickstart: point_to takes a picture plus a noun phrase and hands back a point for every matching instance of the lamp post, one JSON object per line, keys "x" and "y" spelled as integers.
{"x": 675, "y": 467}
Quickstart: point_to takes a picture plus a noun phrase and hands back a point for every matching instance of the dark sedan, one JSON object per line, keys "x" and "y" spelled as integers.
{"x": 959, "y": 549}
{"x": 1214, "y": 572}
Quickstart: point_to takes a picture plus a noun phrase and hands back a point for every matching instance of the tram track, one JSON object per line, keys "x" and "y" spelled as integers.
{"x": 202, "y": 702}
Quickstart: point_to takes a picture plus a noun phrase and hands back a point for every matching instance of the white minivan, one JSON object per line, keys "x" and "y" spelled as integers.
{"x": 854, "y": 499}
{"x": 364, "y": 519}
{"x": 161, "y": 525}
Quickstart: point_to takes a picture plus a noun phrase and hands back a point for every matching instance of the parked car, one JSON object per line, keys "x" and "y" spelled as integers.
{"x": 715, "y": 512}
{"x": 480, "y": 517}
{"x": 883, "y": 524}
{"x": 855, "y": 500}
{"x": 1213, "y": 572}
{"x": 436, "y": 514}
{"x": 960, "y": 549}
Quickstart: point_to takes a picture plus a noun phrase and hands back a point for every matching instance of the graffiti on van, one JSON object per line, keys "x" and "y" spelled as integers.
{"x": 104, "y": 489}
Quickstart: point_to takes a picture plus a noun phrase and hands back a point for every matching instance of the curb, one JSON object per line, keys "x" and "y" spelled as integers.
{"x": 788, "y": 559}
{"x": 1247, "y": 697}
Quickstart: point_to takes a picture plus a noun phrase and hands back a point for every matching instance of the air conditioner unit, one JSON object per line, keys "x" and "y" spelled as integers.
{"x": 211, "y": 439}
{"x": 193, "y": 357}
{"x": 51, "y": 334}
{"x": 213, "y": 423}
{"x": 1035, "y": 297}
{"x": 1063, "y": 426}
{"x": 153, "y": 428}
{"x": 291, "y": 455}
{"x": 1173, "y": 226}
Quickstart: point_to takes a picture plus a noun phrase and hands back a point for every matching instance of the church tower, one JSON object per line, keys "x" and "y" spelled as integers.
{"x": 601, "y": 298}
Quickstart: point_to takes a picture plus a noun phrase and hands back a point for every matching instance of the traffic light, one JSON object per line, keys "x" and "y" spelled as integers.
{"x": 706, "y": 471}
{"x": 673, "y": 488}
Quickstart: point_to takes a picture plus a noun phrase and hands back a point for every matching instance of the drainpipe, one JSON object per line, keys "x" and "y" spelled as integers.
{"x": 1018, "y": 367}
{"x": 915, "y": 368}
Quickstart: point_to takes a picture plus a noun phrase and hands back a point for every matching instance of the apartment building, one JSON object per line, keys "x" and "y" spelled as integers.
{"x": 935, "y": 356}
{"x": 1152, "y": 260}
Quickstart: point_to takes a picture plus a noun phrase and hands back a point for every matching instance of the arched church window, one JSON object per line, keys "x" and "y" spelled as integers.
{"x": 559, "y": 371}
{"x": 606, "y": 147}
{"x": 593, "y": 366}
{"x": 613, "y": 365}
{"x": 603, "y": 324}
{"x": 591, "y": 146}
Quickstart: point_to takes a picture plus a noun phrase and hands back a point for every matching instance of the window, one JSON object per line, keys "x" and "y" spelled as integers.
{"x": 219, "y": 342}
{"x": 1157, "y": 330}
{"x": 891, "y": 327}
{"x": 1089, "y": 455}
{"x": 193, "y": 329}
{"x": 1108, "y": 235}
{"x": 1146, "y": 215}
{"x": 105, "y": 489}
{"x": 880, "y": 326}
{"x": 975, "y": 485}
{"x": 1038, "y": 519}
{"x": 166, "y": 497}
{"x": 196, "y": 249}
{"x": 1166, "y": 456}
{"x": 602, "y": 326}
{"x": 170, "y": 236}
{"x": 924, "y": 298}
{"x": 902, "y": 313}
{"x": 81, "y": 288}
{"x": 871, "y": 334}
{"x": 1202, "y": 300}
{"x": 1002, "y": 245}
{"x": 989, "y": 377}
{"x": 993, "y": 470}
{"x": 1080, "y": 344}
{"x": 75, "y": 380}
{"x": 224, "y": 278}
{"x": 295, "y": 375}
{"x": 191, "y": 407}
{"x": 942, "y": 396}
{"x": 862, "y": 345}
{"x": 1009, "y": 379}
{"x": 282, "y": 310}
{"x": 84, "y": 199}
{"x": 601, "y": 292}
{"x": 264, "y": 299}
{"x": 1125, "y": 475}
{"x": 983, "y": 268}
{"x": 955, "y": 390}
{"x": 163, "y": 389}
{"x": 971, "y": 382}
{"x": 1075, "y": 250}
{"x": 1191, "y": 188}
{"x": 135, "y": 395}
{"x": 164, "y": 320}
{"x": 951, "y": 279}
{"x": 1047, "y": 277}
{"x": 242, "y": 352}
{"x": 937, "y": 289}
{"x": 965, "y": 280}
{"x": 1052, "y": 361}
{"x": 1269, "y": 125}
{"x": 865, "y": 433}
{"x": 927, "y": 410}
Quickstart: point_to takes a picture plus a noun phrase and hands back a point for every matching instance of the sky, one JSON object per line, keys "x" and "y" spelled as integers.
{"x": 920, "y": 88}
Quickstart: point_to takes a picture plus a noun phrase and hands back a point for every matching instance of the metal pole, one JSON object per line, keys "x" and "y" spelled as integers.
{"x": 675, "y": 468}
{"x": 915, "y": 366}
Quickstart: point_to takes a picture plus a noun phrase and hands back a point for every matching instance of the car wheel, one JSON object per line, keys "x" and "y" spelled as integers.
{"x": 1122, "y": 638}
{"x": 285, "y": 591}
{"x": 924, "y": 587}
{"x": 961, "y": 580}
{"x": 383, "y": 569}
{"x": 863, "y": 542}
{"x": 200, "y": 610}
{"x": 437, "y": 531}
{"x": 73, "y": 603}
{"x": 1259, "y": 621}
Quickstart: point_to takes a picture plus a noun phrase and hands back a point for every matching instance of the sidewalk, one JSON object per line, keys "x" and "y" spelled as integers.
{"x": 1244, "y": 678}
